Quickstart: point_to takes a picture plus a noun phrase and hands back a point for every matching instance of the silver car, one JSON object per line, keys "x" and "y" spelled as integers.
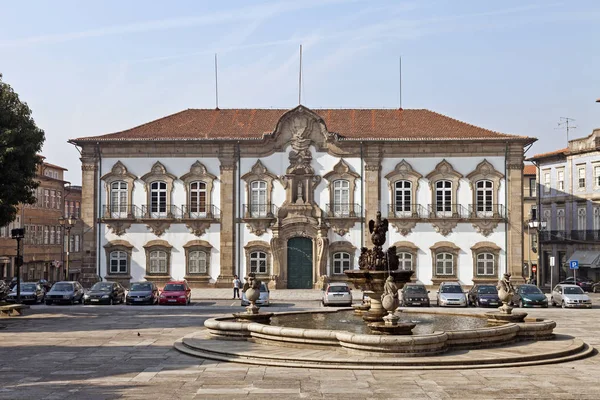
{"x": 570, "y": 296}
{"x": 263, "y": 300}
{"x": 451, "y": 294}
{"x": 338, "y": 294}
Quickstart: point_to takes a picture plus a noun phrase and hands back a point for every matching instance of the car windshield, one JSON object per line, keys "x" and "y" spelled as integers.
{"x": 63, "y": 287}
{"x": 28, "y": 287}
{"x": 141, "y": 286}
{"x": 338, "y": 289}
{"x": 263, "y": 288}
{"x": 414, "y": 289}
{"x": 526, "y": 289}
{"x": 451, "y": 289}
{"x": 487, "y": 290}
{"x": 174, "y": 287}
{"x": 102, "y": 286}
{"x": 573, "y": 290}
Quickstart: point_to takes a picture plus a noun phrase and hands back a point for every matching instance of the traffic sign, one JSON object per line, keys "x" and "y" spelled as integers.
{"x": 574, "y": 264}
{"x": 534, "y": 268}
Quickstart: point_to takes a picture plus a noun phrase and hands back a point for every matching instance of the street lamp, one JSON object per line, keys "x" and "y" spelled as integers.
{"x": 67, "y": 223}
{"x": 18, "y": 234}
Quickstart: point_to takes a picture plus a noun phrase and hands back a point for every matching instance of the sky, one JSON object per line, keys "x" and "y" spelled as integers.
{"x": 91, "y": 68}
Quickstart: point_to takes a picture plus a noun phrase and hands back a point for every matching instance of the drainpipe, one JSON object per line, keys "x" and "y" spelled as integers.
{"x": 506, "y": 205}
{"x": 362, "y": 199}
{"x": 238, "y": 219}
{"x": 98, "y": 210}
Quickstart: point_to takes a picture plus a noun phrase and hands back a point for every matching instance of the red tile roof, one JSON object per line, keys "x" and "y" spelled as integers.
{"x": 550, "y": 154}
{"x": 529, "y": 170}
{"x": 363, "y": 124}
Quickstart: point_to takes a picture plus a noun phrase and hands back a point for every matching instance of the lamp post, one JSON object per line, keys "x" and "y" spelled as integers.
{"x": 67, "y": 223}
{"x": 18, "y": 234}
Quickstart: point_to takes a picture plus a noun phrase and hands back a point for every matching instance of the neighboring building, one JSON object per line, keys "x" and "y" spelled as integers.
{"x": 206, "y": 194}
{"x": 75, "y": 236}
{"x": 569, "y": 192}
{"x": 43, "y": 239}
{"x": 531, "y": 222}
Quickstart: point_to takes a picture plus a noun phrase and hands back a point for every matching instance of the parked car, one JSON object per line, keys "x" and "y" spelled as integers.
{"x": 337, "y": 294}
{"x": 31, "y": 292}
{"x": 596, "y": 287}
{"x": 263, "y": 300}
{"x": 483, "y": 295}
{"x": 105, "y": 293}
{"x": 451, "y": 294}
{"x": 584, "y": 283}
{"x": 529, "y": 296}
{"x": 70, "y": 292}
{"x": 175, "y": 292}
{"x": 414, "y": 294}
{"x": 4, "y": 290}
{"x": 570, "y": 296}
{"x": 142, "y": 293}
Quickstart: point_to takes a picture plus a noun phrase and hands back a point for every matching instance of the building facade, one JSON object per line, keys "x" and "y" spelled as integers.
{"x": 569, "y": 210}
{"x": 531, "y": 222}
{"x": 208, "y": 194}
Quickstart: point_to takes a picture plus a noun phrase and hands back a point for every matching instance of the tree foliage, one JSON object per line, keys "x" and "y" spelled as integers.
{"x": 20, "y": 143}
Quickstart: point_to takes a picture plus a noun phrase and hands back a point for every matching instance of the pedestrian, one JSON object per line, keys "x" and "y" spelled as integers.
{"x": 236, "y": 286}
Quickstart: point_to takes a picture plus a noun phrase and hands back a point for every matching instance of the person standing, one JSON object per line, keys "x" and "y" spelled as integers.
{"x": 236, "y": 286}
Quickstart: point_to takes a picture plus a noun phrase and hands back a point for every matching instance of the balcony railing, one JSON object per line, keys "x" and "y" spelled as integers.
{"x": 199, "y": 212}
{"x": 121, "y": 212}
{"x": 574, "y": 235}
{"x": 160, "y": 212}
{"x": 493, "y": 211}
{"x": 407, "y": 211}
{"x": 343, "y": 210}
{"x": 438, "y": 211}
{"x": 267, "y": 210}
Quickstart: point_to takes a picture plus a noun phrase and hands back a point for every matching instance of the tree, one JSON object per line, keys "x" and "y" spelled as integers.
{"x": 20, "y": 143}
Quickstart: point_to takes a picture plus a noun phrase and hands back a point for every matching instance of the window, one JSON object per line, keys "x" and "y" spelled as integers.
{"x": 341, "y": 198}
{"x": 547, "y": 219}
{"x": 46, "y": 198}
{"x": 341, "y": 263}
{"x": 485, "y": 264}
{"x": 581, "y": 218}
{"x": 197, "y": 199}
{"x": 158, "y": 262}
{"x": 560, "y": 220}
{"x": 258, "y": 199}
{"x": 46, "y": 234}
{"x": 533, "y": 213}
{"x": 547, "y": 182}
{"x": 405, "y": 261}
{"x": 58, "y": 199}
{"x": 597, "y": 176}
{"x": 532, "y": 187}
{"x": 77, "y": 243}
{"x": 581, "y": 176}
{"x": 58, "y": 234}
{"x": 118, "y": 200}
{"x": 53, "y": 199}
{"x": 66, "y": 208}
{"x": 52, "y": 235}
{"x": 72, "y": 243}
{"x": 118, "y": 262}
{"x": 443, "y": 198}
{"x": 403, "y": 197}
{"x": 444, "y": 264}
{"x": 158, "y": 199}
{"x": 484, "y": 197}
{"x": 258, "y": 262}
{"x": 560, "y": 179}
{"x": 197, "y": 262}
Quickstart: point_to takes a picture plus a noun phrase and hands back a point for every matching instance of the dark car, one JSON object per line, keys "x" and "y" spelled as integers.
{"x": 530, "y": 296}
{"x": 414, "y": 294}
{"x": 483, "y": 296}
{"x": 176, "y": 292}
{"x": 69, "y": 292}
{"x": 31, "y": 292}
{"x": 105, "y": 293}
{"x": 584, "y": 283}
{"x": 142, "y": 293}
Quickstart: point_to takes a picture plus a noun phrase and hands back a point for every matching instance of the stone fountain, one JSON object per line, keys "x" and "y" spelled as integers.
{"x": 252, "y": 291}
{"x": 377, "y": 267}
{"x": 504, "y": 314}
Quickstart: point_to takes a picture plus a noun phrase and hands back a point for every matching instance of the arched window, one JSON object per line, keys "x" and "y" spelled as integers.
{"x": 560, "y": 221}
{"x": 341, "y": 198}
{"x": 403, "y": 198}
{"x": 443, "y": 198}
{"x": 405, "y": 261}
{"x": 485, "y": 264}
{"x": 581, "y": 219}
{"x": 118, "y": 262}
{"x": 158, "y": 262}
{"x": 484, "y": 198}
{"x": 118, "y": 199}
{"x": 197, "y": 262}
{"x": 158, "y": 199}
{"x": 258, "y": 262}
{"x": 197, "y": 199}
{"x": 341, "y": 263}
{"x": 444, "y": 264}
{"x": 258, "y": 199}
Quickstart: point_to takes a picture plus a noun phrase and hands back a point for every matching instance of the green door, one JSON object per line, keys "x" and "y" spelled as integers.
{"x": 299, "y": 263}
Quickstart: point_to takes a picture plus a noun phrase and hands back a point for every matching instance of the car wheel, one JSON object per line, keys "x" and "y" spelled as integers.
{"x": 72, "y": 302}
{"x": 563, "y": 305}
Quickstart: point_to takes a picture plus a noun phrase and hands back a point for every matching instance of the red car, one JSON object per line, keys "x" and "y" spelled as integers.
{"x": 175, "y": 292}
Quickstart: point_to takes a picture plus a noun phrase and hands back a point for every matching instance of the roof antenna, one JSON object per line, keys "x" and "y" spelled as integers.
{"x": 300, "y": 79}
{"x": 565, "y": 121}
{"x": 400, "y": 76}
{"x": 216, "y": 85}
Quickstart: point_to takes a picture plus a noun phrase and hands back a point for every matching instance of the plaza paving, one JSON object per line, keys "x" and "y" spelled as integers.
{"x": 95, "y": 352}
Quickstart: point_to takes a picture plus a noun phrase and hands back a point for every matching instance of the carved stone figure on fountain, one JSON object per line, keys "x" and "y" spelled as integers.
{"x": 378, "y": 230}
{"x": 506, "y": 292}
{"x": 390, "y": 301}
{"x": 364, "y": 260}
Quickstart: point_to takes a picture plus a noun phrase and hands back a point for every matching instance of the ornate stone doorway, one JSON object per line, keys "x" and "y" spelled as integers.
{"x": 300, "y": 263}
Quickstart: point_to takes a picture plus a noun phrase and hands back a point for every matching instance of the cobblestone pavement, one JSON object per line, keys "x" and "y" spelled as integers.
{"x": 96, "y": 352}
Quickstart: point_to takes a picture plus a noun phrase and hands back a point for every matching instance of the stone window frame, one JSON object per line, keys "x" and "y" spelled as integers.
{"x": 199, "y": 173}
{"x": 197, "y": 245}
{"x": 158, "y": 173}
{"x": 259, "y": 172}
{"x": 444, "y": 171}
{"x": 485, "y": 171}
{"x": 262, "y": 246}
{"x": 158, "y": 245}
{"x": 119, "y": 173}
{"x": 342, "y": 171}
{"x": 410, "y": 248}
{"x": 481, "y": 248}
{"x": 340, "y": 246}
{"x": 444, "y": 247}
{"x": 118, "y": 245}
{"x": 403, "y": 172}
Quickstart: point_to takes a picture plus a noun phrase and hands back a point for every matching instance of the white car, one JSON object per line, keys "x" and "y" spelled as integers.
{"x": 451, "y": 294}
{"x": 338, "y": 294}
{"x": 263, "y": 300}
{"x": 570, "y": 296}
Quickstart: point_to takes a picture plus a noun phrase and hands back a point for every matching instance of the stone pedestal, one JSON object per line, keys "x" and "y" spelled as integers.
{"x": 376, "y": 311}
